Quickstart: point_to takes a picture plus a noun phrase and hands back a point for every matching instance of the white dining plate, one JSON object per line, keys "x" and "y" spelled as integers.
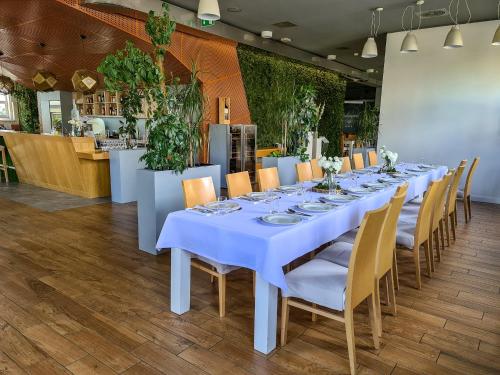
{"x": 257, "y": 195}
{"x": 281, "y": 219}
{"x": 375, "y": 185}
{"x": 338, "y": 198}
{"x": 342, "y": 175}
{"x": 416, "y": 170}
{"x": 315, "y": 207}
{"x": 359, "y": 190}
{"x": 362, "y": 171}
{"x": 289, "y": 188}
{"x": 399, "y": 175}
{"x": 386, "y": 180}
{"x": 222, "y": 206}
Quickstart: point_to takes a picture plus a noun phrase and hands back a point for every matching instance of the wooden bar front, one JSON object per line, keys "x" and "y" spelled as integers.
{"x": 67, "y": 164}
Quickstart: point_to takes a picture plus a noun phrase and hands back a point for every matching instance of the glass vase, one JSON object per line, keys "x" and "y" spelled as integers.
{"x": 330, "y": 182}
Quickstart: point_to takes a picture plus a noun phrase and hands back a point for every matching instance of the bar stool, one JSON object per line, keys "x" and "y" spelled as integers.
{"x": 3, "y": 166}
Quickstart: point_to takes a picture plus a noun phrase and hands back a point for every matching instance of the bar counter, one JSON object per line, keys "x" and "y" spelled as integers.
{"x": 68, "y": 164}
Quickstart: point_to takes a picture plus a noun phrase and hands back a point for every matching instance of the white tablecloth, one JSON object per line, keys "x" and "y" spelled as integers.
{"x": 240, "y": 239}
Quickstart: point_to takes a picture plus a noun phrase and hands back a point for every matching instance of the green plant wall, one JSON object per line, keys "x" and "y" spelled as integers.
{"x": 27, "y": 108}
{"x": 264, "y": 72}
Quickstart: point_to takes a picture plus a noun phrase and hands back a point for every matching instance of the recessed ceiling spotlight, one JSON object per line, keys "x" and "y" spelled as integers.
{"x": 316, "y": 58}
{"x": 42, "y": 44}
{"x": 286, "y": 39}
{"x": 356, "y": 53}
{"x": 370, "y": 70}
{"x": 234, "y": 9}
{"x": 248, "y": 37}
{"x": 331, "y": 57}
{"x": 266, "y": 34}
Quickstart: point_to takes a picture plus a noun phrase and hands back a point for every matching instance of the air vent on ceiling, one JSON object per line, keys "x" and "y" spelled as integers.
{"x": 433, "y": 13}
{"x": 284, "y": 24}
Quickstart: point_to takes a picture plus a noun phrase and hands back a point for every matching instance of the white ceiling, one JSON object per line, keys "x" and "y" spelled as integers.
{"x": 337, "y": 27}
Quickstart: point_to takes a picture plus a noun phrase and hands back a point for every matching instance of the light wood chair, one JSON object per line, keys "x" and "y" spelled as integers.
{"x": 346, "y": 165}
{"x": 325, "y": 283}
{"x": 304, "y": 172}
{"x": 4, "y": 167}
{"x": 372, "y": 158}
{"x": 200, "y": 191}
{"x": 238, "y": 184}
{"x": 340, "y": 253}
{"x": 317, "y": 171}
{"x": 268, "y": 178}
{"x": 412, "y": 235}
{"x": 465, "y": 194}
{"x": 357, "y": 160}
{"x": 450, "y": 214}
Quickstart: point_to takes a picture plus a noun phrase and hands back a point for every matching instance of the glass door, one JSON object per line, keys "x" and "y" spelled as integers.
{"x": 235, "y": 149}
{"x": 249, "y": 149}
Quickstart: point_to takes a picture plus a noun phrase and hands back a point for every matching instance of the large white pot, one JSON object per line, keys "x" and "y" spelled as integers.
{"x": 123, "y": 166}
{"x": 286, "y": 167}
{"x": 158, "y": 194}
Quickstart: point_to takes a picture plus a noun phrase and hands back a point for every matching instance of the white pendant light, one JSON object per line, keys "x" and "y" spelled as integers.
{"x": 208, "y": 10}
{"x": 496, "y": 37}
{"x": 410, "y": 43}
{"x": 370, "y": 47}
{"x": 454, "y": 37}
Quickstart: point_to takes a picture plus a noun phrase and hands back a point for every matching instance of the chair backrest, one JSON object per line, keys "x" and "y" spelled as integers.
{"x": 372, "y": 158}
{"x": 268, "y": 178}
{"x": 468, "y": 181}
{"x": 238, "y": 184}
{"x": 438, "y": 211}
{"x": 317, "y": 171}
{"x": 388, "y": 240}
{"x": 346, "y": 165}
{"x": 425, "y": 213}
{"x": 362, "y": 264}
{"x": 198, "y": 191}
{"x": 357, "y": 160}
{"x": 304, "y": 172}
{"x": 452, "y": 193}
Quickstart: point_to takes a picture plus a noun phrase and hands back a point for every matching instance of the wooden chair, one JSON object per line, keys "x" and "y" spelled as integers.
{"x": 372, "y": 158}
{"x": 465, "y": 194}
{"x": 340, "y": 253}
{"x": 437, "y": 227}
{"x": 326, "y": 284}
{"x": 199, "y": 191}
{"x": 412, "y": 234}
{"x": 317, "y": 171}
{"x": 4, "y": 167}
{"x": 450, "y": 214}
{"x": 357, "y": 160}
{"x": 304, "y": 172}
{"x": 346, "y": 165}
{"x": 238, "y": 184}
{"x": 268, "y": 178}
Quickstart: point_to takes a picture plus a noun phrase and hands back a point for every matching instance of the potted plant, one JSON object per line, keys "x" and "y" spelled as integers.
{"x": 298, "y": 113}
{"x": 174, "y": 117}
{"x": 367, "y": 128}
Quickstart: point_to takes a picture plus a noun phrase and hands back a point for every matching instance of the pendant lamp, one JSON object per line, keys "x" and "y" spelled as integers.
{"x": 370, "y": 47}
{"x": 208, "y": 10}
{"x": 84, "y": 80}
{"x": 44, "y": 81}
{"x": 454, "y": 38}
{"x": 410, "y": 43}
{"x": 496, "y": 37}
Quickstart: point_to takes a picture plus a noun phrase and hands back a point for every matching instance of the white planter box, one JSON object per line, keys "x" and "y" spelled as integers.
{"x": 286, "y": 168}
{"x": 158, "y": 194}
{"x": 123, "y": 166}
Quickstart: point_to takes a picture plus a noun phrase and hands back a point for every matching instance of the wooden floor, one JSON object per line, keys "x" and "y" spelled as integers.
{"x": 77, "y": 297}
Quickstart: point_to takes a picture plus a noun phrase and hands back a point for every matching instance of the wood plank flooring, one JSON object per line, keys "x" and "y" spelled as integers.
{"x": 77, "y": 297}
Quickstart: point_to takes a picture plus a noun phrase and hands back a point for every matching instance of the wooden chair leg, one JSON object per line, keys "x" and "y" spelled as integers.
{"x": 438, "y": 249}
{"x": 453, "y": 225}
{"x": 416, "y": 259}
{"x": 314, "y": 316}
{"x": 392, "y": 292}
{"x": 284, "y": 319}
{"x": 429, "y": 254}
{"x": 466, "y": 214}
{"x": 378, "y": 308}
{"x": 456, "y": 215}
{"x": 373, "y": 320}
{"x": 469, "y": 207}
{"x": 395, "y": 268}
{"x": 447, "y": 227}
{"x": 441, "y": 232}
{"x": 222, "y": 295}
{"x": 351, "y": 347}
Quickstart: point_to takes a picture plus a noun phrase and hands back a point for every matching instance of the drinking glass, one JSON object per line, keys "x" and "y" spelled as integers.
{"x": 272, "y": 199}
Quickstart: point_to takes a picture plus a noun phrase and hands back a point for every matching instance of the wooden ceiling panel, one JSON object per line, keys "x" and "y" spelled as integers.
{"x": 16, "y": 12}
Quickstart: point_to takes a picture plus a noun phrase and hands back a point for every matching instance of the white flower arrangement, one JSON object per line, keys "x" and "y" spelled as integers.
{"x": 331, "y": 165}
{"x": 389, "y": 157}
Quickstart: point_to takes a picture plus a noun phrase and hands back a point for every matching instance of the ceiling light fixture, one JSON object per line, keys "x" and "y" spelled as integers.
{"x": 410, "y": 43}
{"x": 370, "y": 47}
{"x": 84, "y": 80}
{"x": 496, "y": 37}
{"x": 286, "y": 39}
{"x": 454, "y": 38}
{"x": 208, "y": 10}
{"x": 266, "y": 34}
{"x": 331, "y": 57}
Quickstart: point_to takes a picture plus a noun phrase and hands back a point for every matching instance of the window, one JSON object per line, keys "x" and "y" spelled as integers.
{"x": 6, "y": 112}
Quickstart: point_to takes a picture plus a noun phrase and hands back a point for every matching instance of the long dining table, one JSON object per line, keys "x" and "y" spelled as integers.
{"x": 239, "y": 238}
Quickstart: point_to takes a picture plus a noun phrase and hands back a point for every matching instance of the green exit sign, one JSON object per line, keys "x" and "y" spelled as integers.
{"x": 207, "y": 23}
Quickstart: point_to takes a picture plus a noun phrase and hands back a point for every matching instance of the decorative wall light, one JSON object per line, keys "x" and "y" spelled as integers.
{"x": 454, "y": 38}
{"x": 84, "y": 80}
{"x": 6, "y": 84}
{"x": 496, "y": 37}
{"x": 410, "y": 43}
{"x": 208, "y": 10}
{"x": 44, "y": 81}
{"x": 370, "y": 47}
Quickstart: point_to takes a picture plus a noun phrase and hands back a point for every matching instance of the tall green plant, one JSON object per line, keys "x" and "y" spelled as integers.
{"x": 27, "y": 108}
{"x": 367, "y": 127}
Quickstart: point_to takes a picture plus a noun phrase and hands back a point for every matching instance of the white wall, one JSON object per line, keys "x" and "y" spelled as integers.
{"x": 444, "y": 105}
